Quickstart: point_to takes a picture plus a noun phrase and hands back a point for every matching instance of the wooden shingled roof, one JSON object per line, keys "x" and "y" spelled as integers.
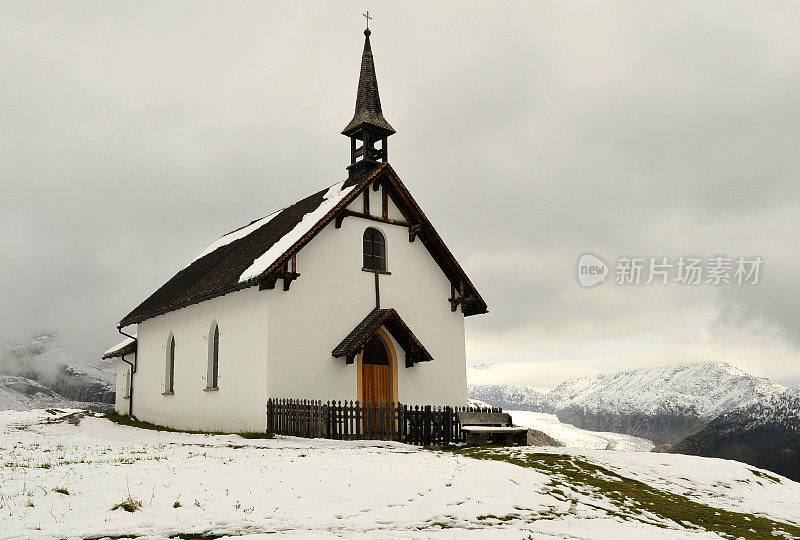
{"x": 355, "y": 340}
{"x": 219, "y": 271}
{"x": 368, "y": 102}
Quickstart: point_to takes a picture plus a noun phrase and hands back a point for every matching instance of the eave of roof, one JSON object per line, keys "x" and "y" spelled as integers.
{"x": 375, "y": 319}
{"x": 127, "y": 346}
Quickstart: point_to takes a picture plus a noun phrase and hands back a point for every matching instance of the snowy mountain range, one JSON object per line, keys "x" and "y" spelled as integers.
{"x": 40, "y": 374}
{"x": 663, "y": 404}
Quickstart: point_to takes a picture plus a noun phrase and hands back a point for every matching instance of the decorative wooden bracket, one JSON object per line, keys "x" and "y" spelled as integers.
{"x": 376, "y": 185}
{"x": 288, "y": 277}
{"x": 413, "y": 230}
{"x": 345, "y": 213}
{"x": 410, "y": 356}
{"x": 284, "y": 274}
{"x": 350, "y": 358}
{"x": 459, "y": 300}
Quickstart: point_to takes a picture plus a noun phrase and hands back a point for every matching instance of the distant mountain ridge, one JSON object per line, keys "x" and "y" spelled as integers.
{"x": 663, "y": 404}
{"x": 508, "y": 396}
{"x": 764, "y": 434}
{"x": 40, "y": 374}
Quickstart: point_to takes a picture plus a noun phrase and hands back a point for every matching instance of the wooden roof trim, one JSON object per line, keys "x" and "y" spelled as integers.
{"x": 312, "y": 232}
{"x": 407, "y": 201}
{"x": 428, "y": 228}
{"x": 396, "y": 319}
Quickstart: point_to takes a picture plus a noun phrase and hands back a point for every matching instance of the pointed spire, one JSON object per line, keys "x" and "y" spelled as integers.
{"x": 368, "y": 102}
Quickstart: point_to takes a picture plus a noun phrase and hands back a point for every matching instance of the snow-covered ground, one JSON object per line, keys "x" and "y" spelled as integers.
{"x": 575, "y": 437}
{"x": 228, "y": 485}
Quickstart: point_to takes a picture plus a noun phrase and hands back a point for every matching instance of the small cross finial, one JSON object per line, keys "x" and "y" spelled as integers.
{"x": 366, "y": 16}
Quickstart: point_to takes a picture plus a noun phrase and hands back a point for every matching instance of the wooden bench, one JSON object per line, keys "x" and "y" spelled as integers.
{"x": 482, "y": 428}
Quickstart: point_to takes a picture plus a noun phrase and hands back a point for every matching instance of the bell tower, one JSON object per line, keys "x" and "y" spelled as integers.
{"x": 368, "y": 130}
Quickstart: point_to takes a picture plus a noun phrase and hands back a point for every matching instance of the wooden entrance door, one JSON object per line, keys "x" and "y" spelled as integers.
{"x": 376, "y": 374}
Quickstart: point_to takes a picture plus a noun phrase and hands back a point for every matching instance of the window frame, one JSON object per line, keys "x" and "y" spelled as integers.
{"x": 169, "y": 374}
{"x": 212, "y": 373}
{"x": 127, "y": 382}
{"x": 368, "y": 251}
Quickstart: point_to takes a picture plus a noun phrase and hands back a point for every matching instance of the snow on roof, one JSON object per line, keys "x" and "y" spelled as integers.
{"x": 119, "y": 346}
{"x": 236, "y": 234}
{"x": 236, "y": 259}
{"x": 331, "y": 198}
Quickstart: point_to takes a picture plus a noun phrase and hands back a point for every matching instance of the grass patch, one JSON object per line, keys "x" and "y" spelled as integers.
{"x": 62, "y": 490}
{"x": 634, "y": 499}
{"x": 196, "y": 536}
{"x": 177, "y": 504}
{"x": 133, "y": 422}
{"x": 766, "y": 476}
{"x": 129, "y": 505}
{"x": 256, "y": 435}
{"x": 507, "y": 517}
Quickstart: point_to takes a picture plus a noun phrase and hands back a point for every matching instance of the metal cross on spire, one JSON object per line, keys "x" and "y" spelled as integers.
{"x": 366, "y": 15}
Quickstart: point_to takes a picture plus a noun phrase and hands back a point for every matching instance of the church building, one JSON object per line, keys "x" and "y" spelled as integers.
{"x": 349, "y": 293}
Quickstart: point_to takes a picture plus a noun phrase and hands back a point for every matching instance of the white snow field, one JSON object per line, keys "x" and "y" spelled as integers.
{"x": 575, "y": 437}
{"x": 61, "y": 475}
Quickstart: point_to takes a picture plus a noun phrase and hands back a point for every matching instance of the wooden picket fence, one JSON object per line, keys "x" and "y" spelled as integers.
{"x": 351, "y": 420}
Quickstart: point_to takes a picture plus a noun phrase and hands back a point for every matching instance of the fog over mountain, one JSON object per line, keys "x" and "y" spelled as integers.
{"x": 39, "y": 374}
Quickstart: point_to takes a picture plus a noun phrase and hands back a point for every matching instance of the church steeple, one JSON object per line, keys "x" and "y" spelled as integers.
{"x": 368, "y": 128}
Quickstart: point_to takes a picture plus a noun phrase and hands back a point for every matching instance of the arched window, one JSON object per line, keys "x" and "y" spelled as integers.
{"x": 374, "y": 250}
{"x": 169, "y": 377}
{"x": 212, "y": 379}
{"x": 127, "y": 393}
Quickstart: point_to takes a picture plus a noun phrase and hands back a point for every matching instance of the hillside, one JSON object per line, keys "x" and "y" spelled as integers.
{"x": 765, "y": 434}
{"x": 20, "y": 394}
{"x": 663, "y": 404}
{"x": 66, "y": 474}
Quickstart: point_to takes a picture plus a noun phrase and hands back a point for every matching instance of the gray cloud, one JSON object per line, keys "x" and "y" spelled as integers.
{"x": 134, "y": 135}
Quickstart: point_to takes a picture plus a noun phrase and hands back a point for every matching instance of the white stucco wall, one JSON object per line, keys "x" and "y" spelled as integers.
{"x": 120, "y": 399}
{"x": 333, "y": 294}
{"x": 239, "y": 404}
{"x": 278, "y": 343}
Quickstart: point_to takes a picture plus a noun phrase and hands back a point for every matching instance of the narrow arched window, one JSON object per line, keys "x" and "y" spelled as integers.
{"x": 213, "y": 356}
{"x": 374, "y": 250}
{"x": 169, "y": 377}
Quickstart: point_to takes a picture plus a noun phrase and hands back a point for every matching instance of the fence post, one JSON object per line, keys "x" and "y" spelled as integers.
{"x": 269, "y": 415}
{"x": 447, "y": 424}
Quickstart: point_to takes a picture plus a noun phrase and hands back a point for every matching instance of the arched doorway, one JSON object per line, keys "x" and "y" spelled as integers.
{"x": 377, "y": 371}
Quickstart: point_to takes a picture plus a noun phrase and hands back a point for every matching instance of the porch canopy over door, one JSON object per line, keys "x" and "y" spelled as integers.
{"x": 364, "y": 331}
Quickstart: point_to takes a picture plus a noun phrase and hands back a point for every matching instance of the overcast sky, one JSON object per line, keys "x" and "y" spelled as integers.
{"x": 132, "y": 135}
